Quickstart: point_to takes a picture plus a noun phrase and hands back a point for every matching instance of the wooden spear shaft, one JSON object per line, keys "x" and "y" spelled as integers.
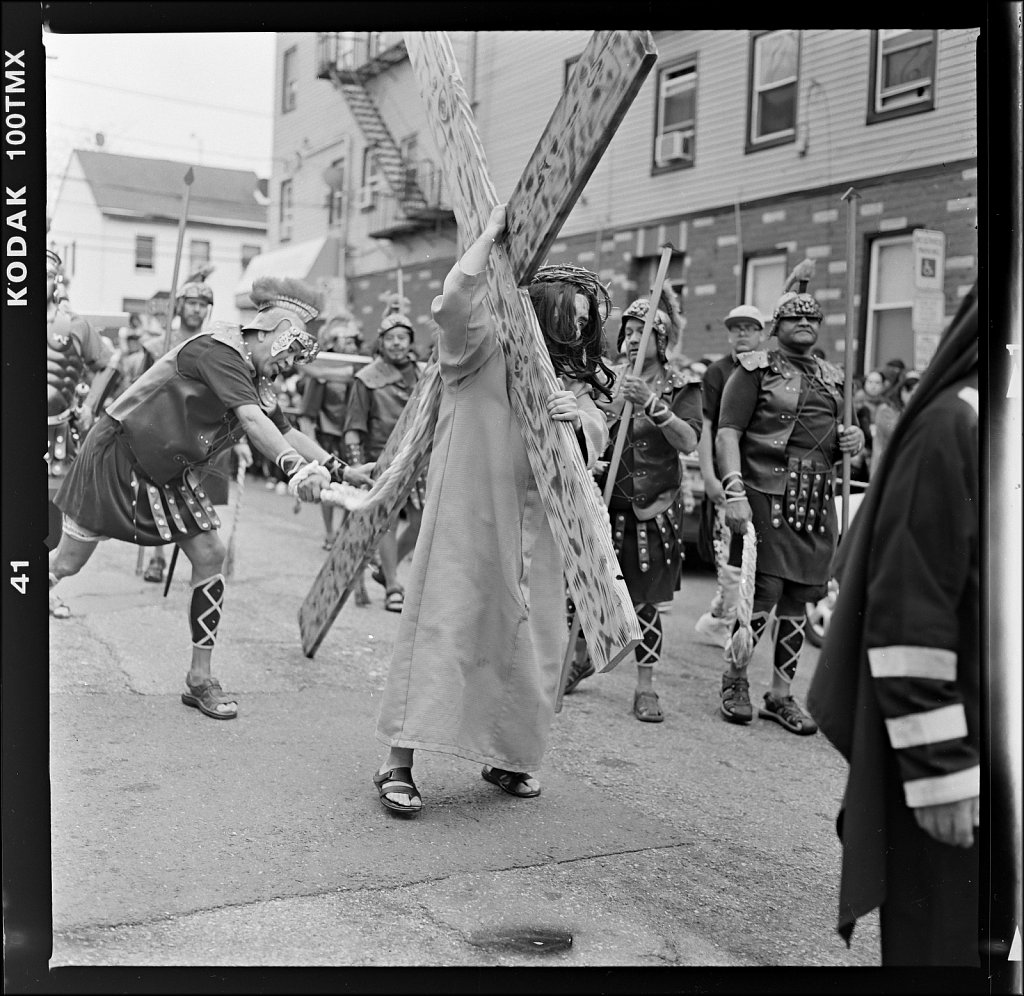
{"x": 189, "y": 177}
{"x": 620, "y": 442}
{"x": 850, "y": 197}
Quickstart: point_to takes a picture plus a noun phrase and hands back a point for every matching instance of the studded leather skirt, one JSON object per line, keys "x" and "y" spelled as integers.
{"x": 650, "y": 553}
{"x": 106, "y": 492}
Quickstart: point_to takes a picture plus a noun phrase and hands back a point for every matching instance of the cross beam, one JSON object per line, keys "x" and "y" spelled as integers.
{"x": 608, "y": 76}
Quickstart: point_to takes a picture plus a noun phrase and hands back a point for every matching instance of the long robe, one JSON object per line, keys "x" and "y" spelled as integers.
{"x": 478, "y": 653}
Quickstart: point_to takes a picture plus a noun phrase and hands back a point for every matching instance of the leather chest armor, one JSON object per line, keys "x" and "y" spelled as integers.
{"x": 650, "y": 465}
{"x": 173, "y": 422}
{"x": 763, "y": 448}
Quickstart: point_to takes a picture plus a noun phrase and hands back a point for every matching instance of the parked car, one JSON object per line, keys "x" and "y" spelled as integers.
{"x": 693, "y": 496}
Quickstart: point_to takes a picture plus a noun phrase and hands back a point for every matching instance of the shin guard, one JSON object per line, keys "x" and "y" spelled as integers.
{"x": 789, "y": 641}
{"x": 204, "y": 611}
{"x": 648, "y": 651}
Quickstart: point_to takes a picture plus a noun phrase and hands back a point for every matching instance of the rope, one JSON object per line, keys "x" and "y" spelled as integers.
{"x": 741, "y": 644}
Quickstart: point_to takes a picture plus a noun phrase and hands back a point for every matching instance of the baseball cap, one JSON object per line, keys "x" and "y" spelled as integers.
{"x": 744, "y": 312}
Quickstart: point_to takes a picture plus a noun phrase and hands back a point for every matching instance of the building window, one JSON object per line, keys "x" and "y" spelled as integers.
{"x": 902, "y": 73}
{"x": 763, "y": 281}
{"x": 372, "y": 180}
{"x": 676, "y": 110}
{"x": 248, "y": 254}
{"x": 289, "y": 79}
{"x": 334, "y": 175}
{"x": 198, "y": 254}
{"x": 145, "y": 248}
{"x": 774, "y": 82}
{"x": 409, "y": 149}
{"x": 284, "y": 216}
{"x": 889, "y": 333}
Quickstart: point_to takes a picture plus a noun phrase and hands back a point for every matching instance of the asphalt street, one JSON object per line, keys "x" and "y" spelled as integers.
{"x": 178, "y": 840}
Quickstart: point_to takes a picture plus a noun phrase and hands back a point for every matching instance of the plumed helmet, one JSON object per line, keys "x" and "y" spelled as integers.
{"x": 284, "y": 299}
{"x": 639, "y": 309}
{"x": 396, "y": 320}
{"x": 196, "y": 290}
{"x": 795, "y": 300}
{"x": 54, "y": 264}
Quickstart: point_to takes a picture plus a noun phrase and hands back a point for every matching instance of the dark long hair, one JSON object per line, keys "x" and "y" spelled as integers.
{"x": 583, "y": 358}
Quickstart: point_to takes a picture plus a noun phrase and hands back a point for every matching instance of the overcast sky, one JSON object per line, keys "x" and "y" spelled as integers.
{"x": 200, "y": 98}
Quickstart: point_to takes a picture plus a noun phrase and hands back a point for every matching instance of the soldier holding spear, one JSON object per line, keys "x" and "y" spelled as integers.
{"x": 779, "y": 437}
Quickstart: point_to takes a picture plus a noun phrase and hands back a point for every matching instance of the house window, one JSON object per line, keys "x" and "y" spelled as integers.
{"x": 335, "y": 177}
{"x": 902, "y": 73}
{"x": 763, "y": 282}
{"x": 372, "y": 179}
{"x": 889, "y": 333}
{"x": 289, "y": 79}
{"x": 409, "y": 148}
{"x": 145, "y": 248}
{"x": 198, "y": 254}
{"x": 284, "y": 217}
{"x": 774, "y": 81}
{"x": 675, "y": 125}
{"x": 248, "y": 254}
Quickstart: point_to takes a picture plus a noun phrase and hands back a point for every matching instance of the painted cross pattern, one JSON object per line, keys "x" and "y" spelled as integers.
{"x": 607, "y": 77}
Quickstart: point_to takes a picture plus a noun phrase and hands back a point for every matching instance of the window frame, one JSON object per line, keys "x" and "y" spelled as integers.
{"x": 865, "y": 360}
{"x": 778, "y": 138}
{"x": 289, "y": 81}
{"x": 139, "y": 266}
{"x": 193, "y": 263}
{"x": 247, "y": 258}
{"x": 751, "y": 261}
{"x": 685, "y": 62}
{"x": 336, "y": 195}
{"x": 285, "y": 210}
{"x": 874, "y": 114}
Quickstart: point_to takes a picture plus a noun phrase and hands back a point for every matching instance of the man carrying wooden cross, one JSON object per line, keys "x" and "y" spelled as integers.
{"x": 478, "y": 654}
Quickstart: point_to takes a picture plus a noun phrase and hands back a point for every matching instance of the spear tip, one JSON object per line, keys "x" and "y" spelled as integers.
{"x": 189, "y": 177}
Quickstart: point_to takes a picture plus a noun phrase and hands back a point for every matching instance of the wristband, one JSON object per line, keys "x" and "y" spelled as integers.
{"x": 336, "y": 468}
{"x": 289, "y": 461}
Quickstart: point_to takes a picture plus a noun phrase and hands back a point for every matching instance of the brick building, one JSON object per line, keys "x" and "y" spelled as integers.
{"x": 738, "y": 149}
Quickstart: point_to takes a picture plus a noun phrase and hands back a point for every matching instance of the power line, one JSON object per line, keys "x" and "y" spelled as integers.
{"x": 160, "y": 96}
{"x": 167, "y": 145}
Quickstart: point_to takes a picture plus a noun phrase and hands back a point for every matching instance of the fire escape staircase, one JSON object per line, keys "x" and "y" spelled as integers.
{"x": 407, "y": 209}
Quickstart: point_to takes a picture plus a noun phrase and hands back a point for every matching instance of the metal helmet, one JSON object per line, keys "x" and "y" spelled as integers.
{"x": 640, "y": 309}
{"x": 196, "y": 289}
{"x": 284, "y": 299}
{"x": 396, "y": 320}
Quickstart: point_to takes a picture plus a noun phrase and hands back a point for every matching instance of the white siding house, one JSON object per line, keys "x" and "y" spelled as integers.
{"x": 115, "y": 224}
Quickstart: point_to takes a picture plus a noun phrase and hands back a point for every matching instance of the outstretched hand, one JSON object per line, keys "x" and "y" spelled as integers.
{"x": 359, "y": 476}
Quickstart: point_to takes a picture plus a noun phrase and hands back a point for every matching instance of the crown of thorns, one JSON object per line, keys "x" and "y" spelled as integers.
{"x": 585, "y": 280}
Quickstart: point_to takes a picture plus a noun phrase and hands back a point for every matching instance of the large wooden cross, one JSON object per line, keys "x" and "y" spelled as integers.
{"x": 607, "y": 77}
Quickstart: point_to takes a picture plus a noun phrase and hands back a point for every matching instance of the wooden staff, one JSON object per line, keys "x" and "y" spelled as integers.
{"x": 620, "y": 442}
{"x": 189, "y": 177}
{"x": 850, "y": 197}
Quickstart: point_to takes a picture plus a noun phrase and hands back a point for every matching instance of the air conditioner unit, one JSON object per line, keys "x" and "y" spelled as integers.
{"x": 367, "y": 198}
{"x": 674, "y": 146}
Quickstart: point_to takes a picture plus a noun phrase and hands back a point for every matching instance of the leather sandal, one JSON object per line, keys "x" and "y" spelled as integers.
{"x": 206, "y": 695}
{"x": 512, "y": 782}
{"x": 58, "y": 608}
{"x": 398, "y": 781}
{"x": 647, "y": 707}
{"x": 394, "y": 600}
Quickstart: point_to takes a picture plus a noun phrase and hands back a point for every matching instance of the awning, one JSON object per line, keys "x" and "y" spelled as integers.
{"x": 301, "y": 261}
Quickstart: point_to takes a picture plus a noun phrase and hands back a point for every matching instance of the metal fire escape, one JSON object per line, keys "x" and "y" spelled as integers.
{"x": 414, "y": 200}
